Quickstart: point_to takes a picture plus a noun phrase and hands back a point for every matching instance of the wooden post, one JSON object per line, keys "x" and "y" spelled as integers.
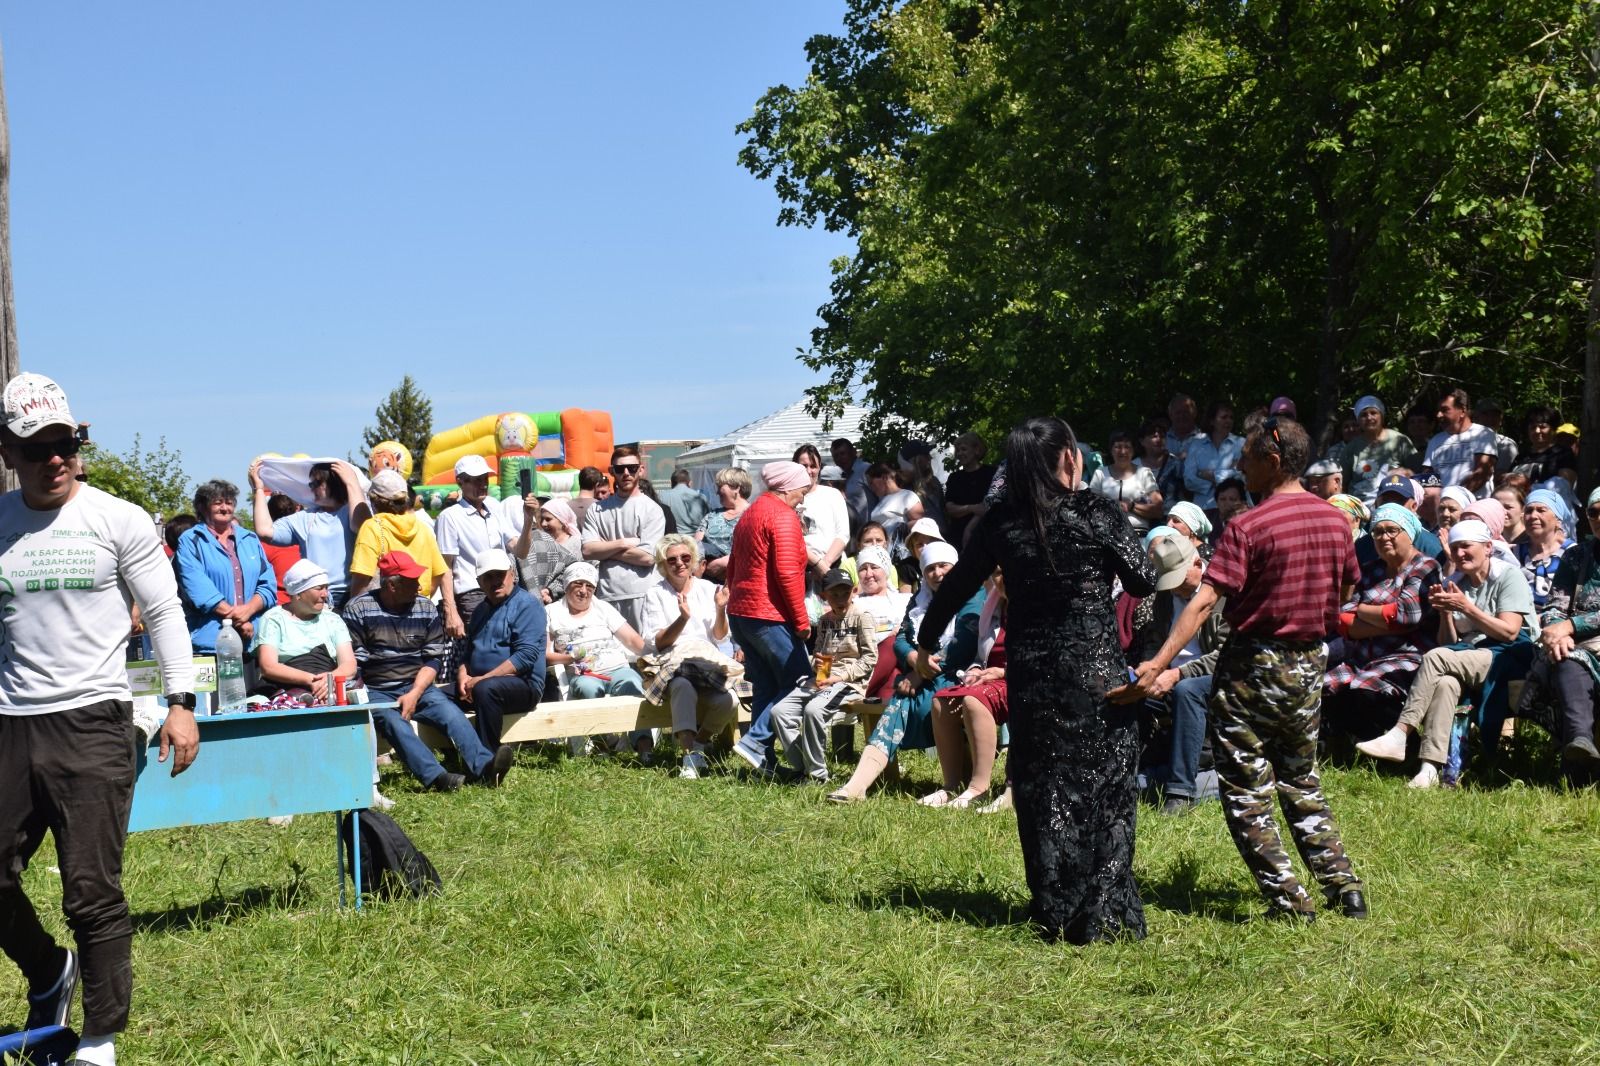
{"x": 9, "y": 363}
{"x": 1589, "y": 442}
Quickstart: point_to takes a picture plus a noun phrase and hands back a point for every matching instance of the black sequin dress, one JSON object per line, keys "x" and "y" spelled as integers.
{"x": 1073, "y": 754}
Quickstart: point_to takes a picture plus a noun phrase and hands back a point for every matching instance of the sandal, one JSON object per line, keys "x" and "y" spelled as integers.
{"x": 841, "y": 796}
{"x": 965, "y": 800}
{"x": 941, "y": 798}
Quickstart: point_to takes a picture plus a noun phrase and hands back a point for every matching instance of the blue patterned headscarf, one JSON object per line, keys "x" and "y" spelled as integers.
{"x": 1557, "y": 506}
{"x": 1156, "y": 533}
{"x": 1404, "y": 517}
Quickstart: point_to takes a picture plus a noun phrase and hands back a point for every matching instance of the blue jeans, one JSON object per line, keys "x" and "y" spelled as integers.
{"x": 1189, "y": 698}
{"x": 775, "y": 660}
{"x": 439, "y": 711}
{"x": 625, "y": 681}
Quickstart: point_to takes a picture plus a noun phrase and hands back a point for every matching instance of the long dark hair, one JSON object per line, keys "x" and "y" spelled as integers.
{"x": 1033, "y": 454}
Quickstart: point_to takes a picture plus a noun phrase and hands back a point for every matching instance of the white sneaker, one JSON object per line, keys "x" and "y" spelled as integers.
{"x": 1390, "y": 747}
{"x": 281, "y": 819}
{"x": 940, "y": 798}
{"x": 1001, "y": 803}
{"x": 695, "y": 763}
{"x": 1427, "y": 777}
{"x": 380, "y": 801}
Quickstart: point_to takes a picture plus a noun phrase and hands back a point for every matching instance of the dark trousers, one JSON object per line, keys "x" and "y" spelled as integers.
{"x": 70, "y": 772}
{"x": 495, "y": 697}
{"x": 1574, "y": 686}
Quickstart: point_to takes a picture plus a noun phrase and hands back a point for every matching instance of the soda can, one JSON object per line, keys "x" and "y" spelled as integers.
{"x": 340, "y": 699}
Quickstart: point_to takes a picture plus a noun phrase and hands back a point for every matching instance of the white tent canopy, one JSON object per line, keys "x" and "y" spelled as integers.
{"x": 766, "y": 439}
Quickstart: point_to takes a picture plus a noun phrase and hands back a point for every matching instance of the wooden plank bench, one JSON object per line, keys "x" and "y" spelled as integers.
{"x": 574, "y": 718}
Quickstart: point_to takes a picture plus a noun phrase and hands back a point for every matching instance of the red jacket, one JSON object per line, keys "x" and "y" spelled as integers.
{"x": 767, "y": 566}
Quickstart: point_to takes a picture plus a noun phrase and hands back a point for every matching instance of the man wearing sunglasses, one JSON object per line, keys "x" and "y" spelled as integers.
{"x": 73, "y": 560}
{"x": 619, "y": 536}
{"x": 1284, "y": 568}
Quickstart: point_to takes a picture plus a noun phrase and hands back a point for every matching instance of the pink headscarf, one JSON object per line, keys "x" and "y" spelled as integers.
{"x": 782, "y": 476}
{"x": 564, "y": 514}
{"x": 1491, "y": 513}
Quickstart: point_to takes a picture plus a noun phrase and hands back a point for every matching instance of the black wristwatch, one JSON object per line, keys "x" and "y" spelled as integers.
{"x": 181, "y": 699}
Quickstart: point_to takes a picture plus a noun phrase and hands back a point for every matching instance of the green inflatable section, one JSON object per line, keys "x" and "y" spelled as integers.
{"x": 555, "y": 483}
{"x": 546, "y": 422}
{"x": 511, "y": 468}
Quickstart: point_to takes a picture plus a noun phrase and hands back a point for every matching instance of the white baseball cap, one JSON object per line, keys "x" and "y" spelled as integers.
{"x": 388, "y": 485}
{"x": 32, "y": 402}
{"x": 471, "y": 466}
{"x": 493, "y": 561}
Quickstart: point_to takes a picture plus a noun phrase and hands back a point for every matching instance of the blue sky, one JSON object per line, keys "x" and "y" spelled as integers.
{"x": 238, "y": 226}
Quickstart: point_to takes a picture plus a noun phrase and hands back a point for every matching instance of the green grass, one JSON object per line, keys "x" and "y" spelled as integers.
{"x": 597, "y": 912}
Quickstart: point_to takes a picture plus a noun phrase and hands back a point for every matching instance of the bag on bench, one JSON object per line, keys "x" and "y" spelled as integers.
{"x": 391, "y": 865}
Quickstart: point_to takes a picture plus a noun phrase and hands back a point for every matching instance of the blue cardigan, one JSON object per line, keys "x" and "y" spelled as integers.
{"x": 515, "y": 630}
{"x": 206, "y": 578}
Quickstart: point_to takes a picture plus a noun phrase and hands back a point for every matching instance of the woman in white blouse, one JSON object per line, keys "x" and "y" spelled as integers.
{"x": 824, "y": 516}
{"x": 682, "y": 606}
{"x": 1133, "y": 488}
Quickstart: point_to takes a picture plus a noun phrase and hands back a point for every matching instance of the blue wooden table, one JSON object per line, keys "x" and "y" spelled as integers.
{"x": 262, "y": 765}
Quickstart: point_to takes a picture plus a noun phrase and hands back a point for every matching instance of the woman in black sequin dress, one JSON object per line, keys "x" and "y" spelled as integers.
{"x": 1073, "y": 754}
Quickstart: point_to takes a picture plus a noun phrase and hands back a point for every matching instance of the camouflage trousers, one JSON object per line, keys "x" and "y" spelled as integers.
{"x": 1266, "y": 707}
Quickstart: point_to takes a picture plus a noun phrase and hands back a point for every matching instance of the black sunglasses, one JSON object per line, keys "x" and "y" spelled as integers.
{"x": 1594, "y": 512}
{"x": 628, "y": 468}
{"x": 40, "y": 451}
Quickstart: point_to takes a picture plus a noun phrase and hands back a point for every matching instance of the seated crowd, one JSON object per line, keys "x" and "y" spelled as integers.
{"x": 1474, "y": 591}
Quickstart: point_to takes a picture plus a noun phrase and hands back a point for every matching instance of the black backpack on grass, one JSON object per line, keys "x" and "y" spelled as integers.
{"x": 391, "y": 865}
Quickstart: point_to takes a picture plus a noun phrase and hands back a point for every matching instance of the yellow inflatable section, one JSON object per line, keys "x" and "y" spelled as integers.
{"x": 474, "y": 438}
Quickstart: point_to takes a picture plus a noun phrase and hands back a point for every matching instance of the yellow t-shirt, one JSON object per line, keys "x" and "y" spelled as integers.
{"x": 384, "y": 533}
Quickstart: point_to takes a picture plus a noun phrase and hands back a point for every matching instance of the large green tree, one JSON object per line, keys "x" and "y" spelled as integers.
{"x": 152, "y": 479}
{"x": 1081, "y": 208}
{"x": 405, "y": 415}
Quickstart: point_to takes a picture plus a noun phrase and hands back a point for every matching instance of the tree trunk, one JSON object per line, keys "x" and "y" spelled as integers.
{"x": 9, "y": 364}
{"x": 1589, "y": 442}
{"x": 1330, "y": 356}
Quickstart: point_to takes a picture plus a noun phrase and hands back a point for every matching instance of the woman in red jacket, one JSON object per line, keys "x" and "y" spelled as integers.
{"x": 767, "y": 601}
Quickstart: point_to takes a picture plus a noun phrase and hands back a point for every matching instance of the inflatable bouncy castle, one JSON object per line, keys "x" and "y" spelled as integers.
{"x": 552, "y": 445}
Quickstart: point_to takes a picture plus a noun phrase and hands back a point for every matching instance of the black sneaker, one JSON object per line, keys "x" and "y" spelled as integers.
{"x": 1352, "y": 904}
{"x": 1580, "y": 754}
{"x": 447, "y": 782}
{"x": 496, "y": 771}
{"x": 54, "y": 1006}
{"x": 1177, "y": 805}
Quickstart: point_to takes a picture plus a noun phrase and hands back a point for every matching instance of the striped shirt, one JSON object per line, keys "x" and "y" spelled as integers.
{"x": 1283, "y": 567}
{"x": 392, "y": 647}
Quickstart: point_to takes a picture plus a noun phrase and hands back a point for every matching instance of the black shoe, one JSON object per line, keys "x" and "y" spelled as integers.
{"x": 448, "y": 782}
{"x": 1580, "y": 754}
{"x": 1352, "y": 904}
{"x": 1177, "y": 805}
{"x": 1280, "y": 914}
{"x": 54, "y": 1006}
{"x": 497, "y": 769}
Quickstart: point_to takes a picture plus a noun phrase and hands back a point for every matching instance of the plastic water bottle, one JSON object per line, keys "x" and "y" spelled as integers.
{"x": 230, "y": 667}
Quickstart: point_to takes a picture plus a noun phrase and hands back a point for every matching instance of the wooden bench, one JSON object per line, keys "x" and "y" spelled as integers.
{"x": 574, "y": 718}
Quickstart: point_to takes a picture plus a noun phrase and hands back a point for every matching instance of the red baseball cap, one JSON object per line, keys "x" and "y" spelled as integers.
{"x": 399, "y": 564}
